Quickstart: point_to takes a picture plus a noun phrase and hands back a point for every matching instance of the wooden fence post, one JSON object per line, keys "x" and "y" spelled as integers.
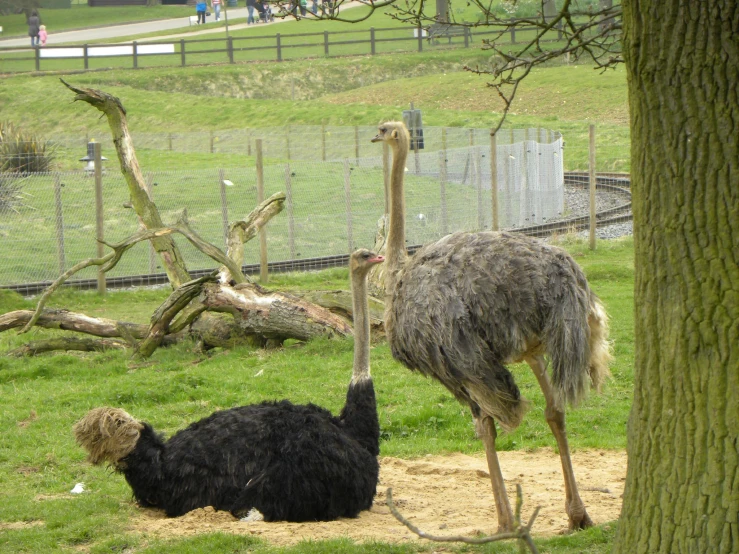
{"x": 224, "y": 205}
{"x": 182, "y": 52}
{"x": 348, "y": 201}
{"x": 152, "y": 252}
{"x": 478, "y": 186}
{"x": 325, "y": 43}
{"x": 99, "y": 215}
{"x": 230, "y": 47}
{"x": 211, "y": 142}
{"x": 513, "y": 30}
{"x": 170, "y": 142}
{"x": 290, "y": 217}
{"x": 356, "y": 143}
{"x": 472, "y": 137}
{"x": 442, "y": 192}
{"x": 287, "y": 141}
{"x": 420, "y": 38}
{"x": 494, "y": 180}
{"x": 37, "y": 57}
{"x": 85, "y": 55}
{"x": 323, "y": 140}
{"x": 135, "y": 55}
{"x": 386, "y": 174}
{"x": 372, "y": 41}
{"x": 248, "y": 141}
{"x": 263, "y": 273}
{"x": 279, "y": 47}
{"x": 592, "y": 181}
{"x": 59, "y": 224}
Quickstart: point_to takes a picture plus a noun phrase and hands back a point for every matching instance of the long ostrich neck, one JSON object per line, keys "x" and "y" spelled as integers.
{"x": 395, "y": 248}
{"x": 360, "y": 302}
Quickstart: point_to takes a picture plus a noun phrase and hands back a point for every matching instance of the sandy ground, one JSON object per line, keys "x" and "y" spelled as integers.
{"x": 442, "y": 495}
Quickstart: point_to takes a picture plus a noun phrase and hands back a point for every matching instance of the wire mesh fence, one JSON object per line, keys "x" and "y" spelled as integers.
{"x": 332, "y": 206}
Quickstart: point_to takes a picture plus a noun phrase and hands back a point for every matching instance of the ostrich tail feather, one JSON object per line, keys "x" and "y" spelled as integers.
{"x": 108, "y": 434}
{"x": 601, "y": 351}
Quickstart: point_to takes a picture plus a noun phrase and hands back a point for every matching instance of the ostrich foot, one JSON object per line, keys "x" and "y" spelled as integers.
{"x": 578, "y": 516}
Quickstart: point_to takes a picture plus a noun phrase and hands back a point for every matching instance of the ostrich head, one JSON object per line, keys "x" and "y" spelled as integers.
{"x": 395, "y": 133}
{"x": 362, "y": 260}
{"x": 108, "y": 434}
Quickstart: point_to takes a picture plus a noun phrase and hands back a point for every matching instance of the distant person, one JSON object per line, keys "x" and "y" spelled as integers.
{"x": 200, "y": 8}
{"x": 33, "y": 27}
{"x": 42, "y": 35}
{"x": 216, "y": 8}
{"x": 267, "y": 12}
{"x": 250, "y": 5}
{"x": 314, "y": 7}
{"x": 303, "y": 7}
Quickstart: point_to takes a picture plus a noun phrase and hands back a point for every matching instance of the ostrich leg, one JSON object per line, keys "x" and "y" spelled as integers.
{"x": 579, "y": 518}
{"x": 486, "y": 430}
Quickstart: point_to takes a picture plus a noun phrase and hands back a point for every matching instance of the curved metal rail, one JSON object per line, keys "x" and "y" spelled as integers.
{"x": 619, "y": 214}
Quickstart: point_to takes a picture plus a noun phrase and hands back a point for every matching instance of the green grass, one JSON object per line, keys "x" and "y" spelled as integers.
{"x": 82, "y": 16}
{"x": 417, "y": 416}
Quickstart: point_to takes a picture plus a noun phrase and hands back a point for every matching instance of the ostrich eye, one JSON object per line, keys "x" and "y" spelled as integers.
{"x": 382, "y": 129}
{"x": 365, "y": 255}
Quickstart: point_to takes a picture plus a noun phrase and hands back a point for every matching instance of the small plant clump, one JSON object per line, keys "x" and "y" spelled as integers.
{"x": 23, "y": 152}
{"x": 20, "y": 154}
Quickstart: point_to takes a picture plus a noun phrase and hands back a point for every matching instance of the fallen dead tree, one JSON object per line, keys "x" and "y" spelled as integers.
{"x": 257, "y": 315}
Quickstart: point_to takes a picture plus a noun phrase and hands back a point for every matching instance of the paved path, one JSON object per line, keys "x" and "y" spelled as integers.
{"x": 127, "y": 30}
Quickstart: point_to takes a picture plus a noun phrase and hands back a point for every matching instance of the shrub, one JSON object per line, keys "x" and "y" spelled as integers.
{"x": 23, "y": 152}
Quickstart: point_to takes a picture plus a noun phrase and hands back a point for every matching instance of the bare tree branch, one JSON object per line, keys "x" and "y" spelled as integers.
{"x": 522, "y": 532}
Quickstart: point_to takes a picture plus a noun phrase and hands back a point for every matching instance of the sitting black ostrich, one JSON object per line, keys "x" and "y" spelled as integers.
{"x": 462, "y": 308}
{"x": 290, "y": 462}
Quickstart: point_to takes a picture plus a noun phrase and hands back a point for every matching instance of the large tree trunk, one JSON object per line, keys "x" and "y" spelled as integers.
{"x": 682, "y": 489}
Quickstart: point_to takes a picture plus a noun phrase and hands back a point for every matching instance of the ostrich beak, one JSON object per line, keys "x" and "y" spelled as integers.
{"x": 378, "y": 138}
{"x": 377, "y": 260}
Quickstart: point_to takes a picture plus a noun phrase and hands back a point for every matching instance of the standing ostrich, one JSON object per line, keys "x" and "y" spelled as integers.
{"x": 462, "y": 308}
{"x": 290, "y": 462}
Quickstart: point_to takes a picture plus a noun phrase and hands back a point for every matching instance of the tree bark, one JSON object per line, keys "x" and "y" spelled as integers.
{"x": 68, "y": 343}
{"x": 682, "y": 488}
{"x": 73, "y": 321}
{"x": 273, "y": 315}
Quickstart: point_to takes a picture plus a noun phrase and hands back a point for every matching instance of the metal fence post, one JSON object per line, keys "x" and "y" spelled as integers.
{"x": 290, "y": 217}
{"x": 263, "y": 273}
{"x": 224, "y": 205}
{"x": 182, "y": 51}
{"x": 59, "y": 224}
{"x": 99, "y": 215}
{"x": 325, "y": 43}
{"x": 348, "y": 201}
{"x": 494, "y": 180}
{"x": 279, "y": 47}
{"x": 442, "y": 192}
{"x": 372, "y": 40}
{"x": 592, "y": 181}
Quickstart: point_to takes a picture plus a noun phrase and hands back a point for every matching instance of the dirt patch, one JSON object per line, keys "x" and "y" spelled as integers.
{"x": 15, "y": 525}
{"x": 443, "y": 495}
